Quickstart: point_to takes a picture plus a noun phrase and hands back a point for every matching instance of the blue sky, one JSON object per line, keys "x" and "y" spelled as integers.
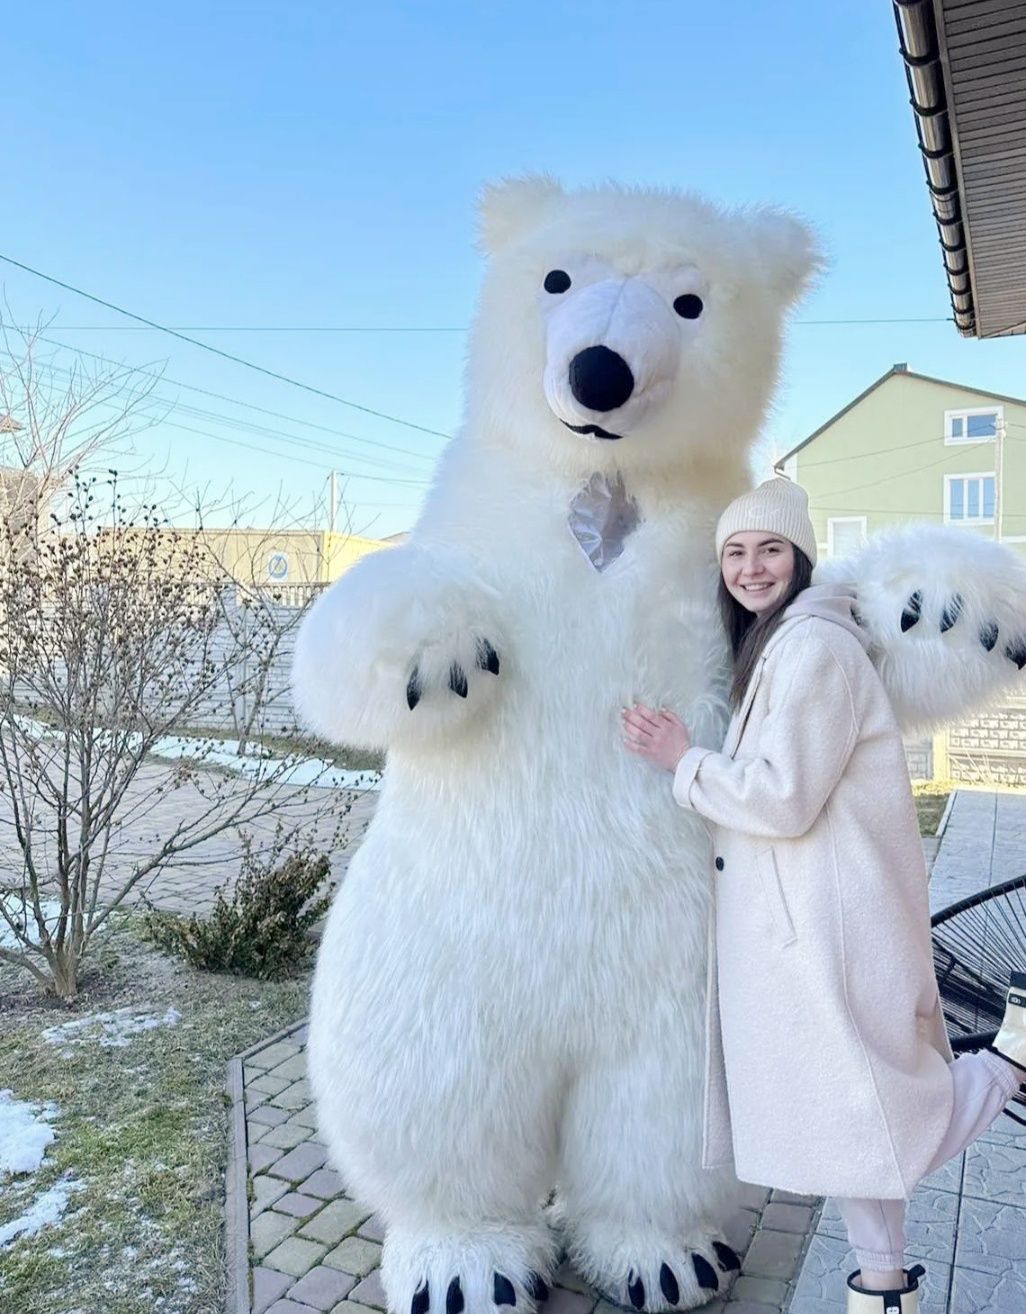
{"x": 315, "y": 164}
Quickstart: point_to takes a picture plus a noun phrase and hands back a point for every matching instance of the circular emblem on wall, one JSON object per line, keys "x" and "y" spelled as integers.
{"x": 277, "y": 566}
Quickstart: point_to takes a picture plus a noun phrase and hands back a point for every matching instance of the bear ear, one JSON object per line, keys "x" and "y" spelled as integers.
{"x": 788, "y": 251}
{"x": 507, "y": 209}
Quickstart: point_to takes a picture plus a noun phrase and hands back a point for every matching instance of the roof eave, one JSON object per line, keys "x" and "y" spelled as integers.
{"x": 922, "y": 53}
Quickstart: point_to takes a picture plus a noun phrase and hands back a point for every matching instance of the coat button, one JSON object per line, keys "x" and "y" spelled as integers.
{"x": 719, "y": 864}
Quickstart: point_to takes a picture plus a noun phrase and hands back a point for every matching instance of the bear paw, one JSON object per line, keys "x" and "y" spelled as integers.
{"x": 491, "y": 1272}
{"x": 453, "y": 672}
{"x": 650, "y": 1273}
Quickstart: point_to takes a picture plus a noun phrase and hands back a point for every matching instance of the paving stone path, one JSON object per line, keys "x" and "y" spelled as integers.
{"x": 313, "y": 1249}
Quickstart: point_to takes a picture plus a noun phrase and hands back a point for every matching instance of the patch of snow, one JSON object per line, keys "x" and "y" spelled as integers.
{"x": 24, "y": 1134}
{"x": 292, "y": 769}
{"x": 23, "y": 916}
{"x": 45, "y": 1210}
{"x": 112, "y": 1030}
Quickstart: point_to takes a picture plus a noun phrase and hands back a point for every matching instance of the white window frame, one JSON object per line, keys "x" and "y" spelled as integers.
{"x": 843, "y": 520}
{"x": 973, "y": 474}
{"x": 963, "y": 414}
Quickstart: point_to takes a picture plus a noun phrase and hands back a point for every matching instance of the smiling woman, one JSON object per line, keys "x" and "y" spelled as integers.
{"x": 761, "y": 572}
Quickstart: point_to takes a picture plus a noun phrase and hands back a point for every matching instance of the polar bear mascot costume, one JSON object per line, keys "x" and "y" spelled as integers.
{"x": 509, "y": 995}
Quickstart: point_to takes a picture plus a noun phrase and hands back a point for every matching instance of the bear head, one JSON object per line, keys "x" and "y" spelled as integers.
{"x": 629, "y": 328}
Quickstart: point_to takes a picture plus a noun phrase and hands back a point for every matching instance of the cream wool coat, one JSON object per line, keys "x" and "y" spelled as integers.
{"x": 827, "y": 1055}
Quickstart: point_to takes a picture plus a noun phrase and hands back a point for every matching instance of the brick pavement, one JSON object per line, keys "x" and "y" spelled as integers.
{"x": 314, "y": 1249}
{"x": 189, "y": 883}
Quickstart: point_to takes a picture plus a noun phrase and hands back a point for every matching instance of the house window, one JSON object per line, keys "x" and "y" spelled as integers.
{"x": 845, "y": 534}
{"x": 979, "y": 425}
{"x": 969, "y": 499}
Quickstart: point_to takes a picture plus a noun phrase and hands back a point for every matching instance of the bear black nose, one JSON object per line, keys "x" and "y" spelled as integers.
{"x": 600, "y": 379}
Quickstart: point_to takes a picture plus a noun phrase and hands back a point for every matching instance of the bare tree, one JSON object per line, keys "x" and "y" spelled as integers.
{"x": 119, "y": 632}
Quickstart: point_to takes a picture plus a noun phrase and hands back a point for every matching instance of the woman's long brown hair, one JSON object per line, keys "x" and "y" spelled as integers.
{"x": 749, "y": 632}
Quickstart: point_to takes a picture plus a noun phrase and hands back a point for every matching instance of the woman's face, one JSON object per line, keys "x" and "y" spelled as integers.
{"x": 757, "y": 568}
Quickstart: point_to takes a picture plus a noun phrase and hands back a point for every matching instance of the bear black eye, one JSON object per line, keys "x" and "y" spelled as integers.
{"x": 688, "y": 306}
{"x": 556, "y": 280}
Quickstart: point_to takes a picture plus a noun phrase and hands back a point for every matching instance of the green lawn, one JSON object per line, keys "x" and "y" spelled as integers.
{"x": 930, "y": 807}
{"x": 141, "y": 1133}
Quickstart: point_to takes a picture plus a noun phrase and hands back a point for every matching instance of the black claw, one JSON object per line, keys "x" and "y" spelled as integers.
{"x": 458, "y": 680}
{"x": 487, "y": 657}
{"x": 454, "y": 1298}
{"x": 1016, "y": 652}
{"x": 989, "y": 635}
{"x": 537, "y": 1287}
{"x": 729, "y": 1258}
{"x": 668, "y": 1284}
{"x": 705, "y": 1273}
{"x": 421, "y": 1302}
{"x": 636, "y": 1290}
{"x": 502, "y": 1290}
{"x": 951, "y": 612}
{"x": 913, "y": 611}
{"x": 413, "y": 689}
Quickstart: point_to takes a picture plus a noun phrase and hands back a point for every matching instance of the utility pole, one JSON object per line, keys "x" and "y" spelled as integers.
{"x": 999, "y": 467}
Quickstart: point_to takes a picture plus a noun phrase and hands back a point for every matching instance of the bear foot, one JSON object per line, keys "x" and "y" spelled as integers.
{"x": 648, "y": 1272}
{"x": 492, "y": 1271}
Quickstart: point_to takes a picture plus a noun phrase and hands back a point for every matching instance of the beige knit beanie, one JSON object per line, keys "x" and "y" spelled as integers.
{"x": 777, "y": 507}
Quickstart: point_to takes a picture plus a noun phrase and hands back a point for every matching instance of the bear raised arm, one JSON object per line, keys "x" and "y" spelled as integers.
{"x": 405, "y": 650}
{"x": 946, "y": 612}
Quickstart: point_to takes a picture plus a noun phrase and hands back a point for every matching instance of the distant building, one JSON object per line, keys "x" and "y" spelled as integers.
{"x": 285, "y": 557}
{"x": 913, "y": 447}
{"x": 21, "y": 503}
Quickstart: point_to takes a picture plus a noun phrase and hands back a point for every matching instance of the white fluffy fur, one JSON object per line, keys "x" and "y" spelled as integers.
{"x": 933, "y": 676}
{"x": 509, "y": 994}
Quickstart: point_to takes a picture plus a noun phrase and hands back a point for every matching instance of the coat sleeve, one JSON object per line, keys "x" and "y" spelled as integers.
{"x": 804, "y": 743}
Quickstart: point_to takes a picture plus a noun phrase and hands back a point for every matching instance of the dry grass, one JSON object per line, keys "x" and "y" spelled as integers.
{"x": 142, "y": 1130}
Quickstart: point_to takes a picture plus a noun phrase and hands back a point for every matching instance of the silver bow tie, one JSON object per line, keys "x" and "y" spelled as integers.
{"x": 602, "y": 517}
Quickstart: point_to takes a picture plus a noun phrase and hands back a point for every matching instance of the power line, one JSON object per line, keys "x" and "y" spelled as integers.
{"x": 927, "y": 319}
{"x": 903, "y": 447}
{"x": 323, "y": 465}
{"x": 265, "y": 328}
{"x": 235, "y": 442}
{"x": 225, "y": 355}
{"x": 248, "y": 428}
{"x": 397, "y": 328}
{"x": 232, "y": 401}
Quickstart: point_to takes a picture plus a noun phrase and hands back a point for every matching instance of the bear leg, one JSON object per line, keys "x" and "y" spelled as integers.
{"x": 640, "y": 1216}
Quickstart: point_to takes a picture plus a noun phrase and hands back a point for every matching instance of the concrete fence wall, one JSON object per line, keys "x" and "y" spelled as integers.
{"x": 987, "y": 749}
{"x": 251, "y": 649}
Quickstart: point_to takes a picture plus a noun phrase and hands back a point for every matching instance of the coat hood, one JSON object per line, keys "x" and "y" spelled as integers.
{"x": 831, "y": 602}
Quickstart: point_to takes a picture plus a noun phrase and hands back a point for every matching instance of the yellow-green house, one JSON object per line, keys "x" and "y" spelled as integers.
{"x": 915, "y": 448}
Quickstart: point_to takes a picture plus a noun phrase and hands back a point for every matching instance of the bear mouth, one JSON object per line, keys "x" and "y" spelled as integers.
{"x": 594, "y": 430}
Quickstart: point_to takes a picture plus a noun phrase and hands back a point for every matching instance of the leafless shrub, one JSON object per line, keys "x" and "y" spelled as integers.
{"x": 118, "y": 632}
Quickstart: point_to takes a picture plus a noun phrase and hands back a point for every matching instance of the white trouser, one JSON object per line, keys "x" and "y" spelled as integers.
{"x": 983, "y": 1084}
